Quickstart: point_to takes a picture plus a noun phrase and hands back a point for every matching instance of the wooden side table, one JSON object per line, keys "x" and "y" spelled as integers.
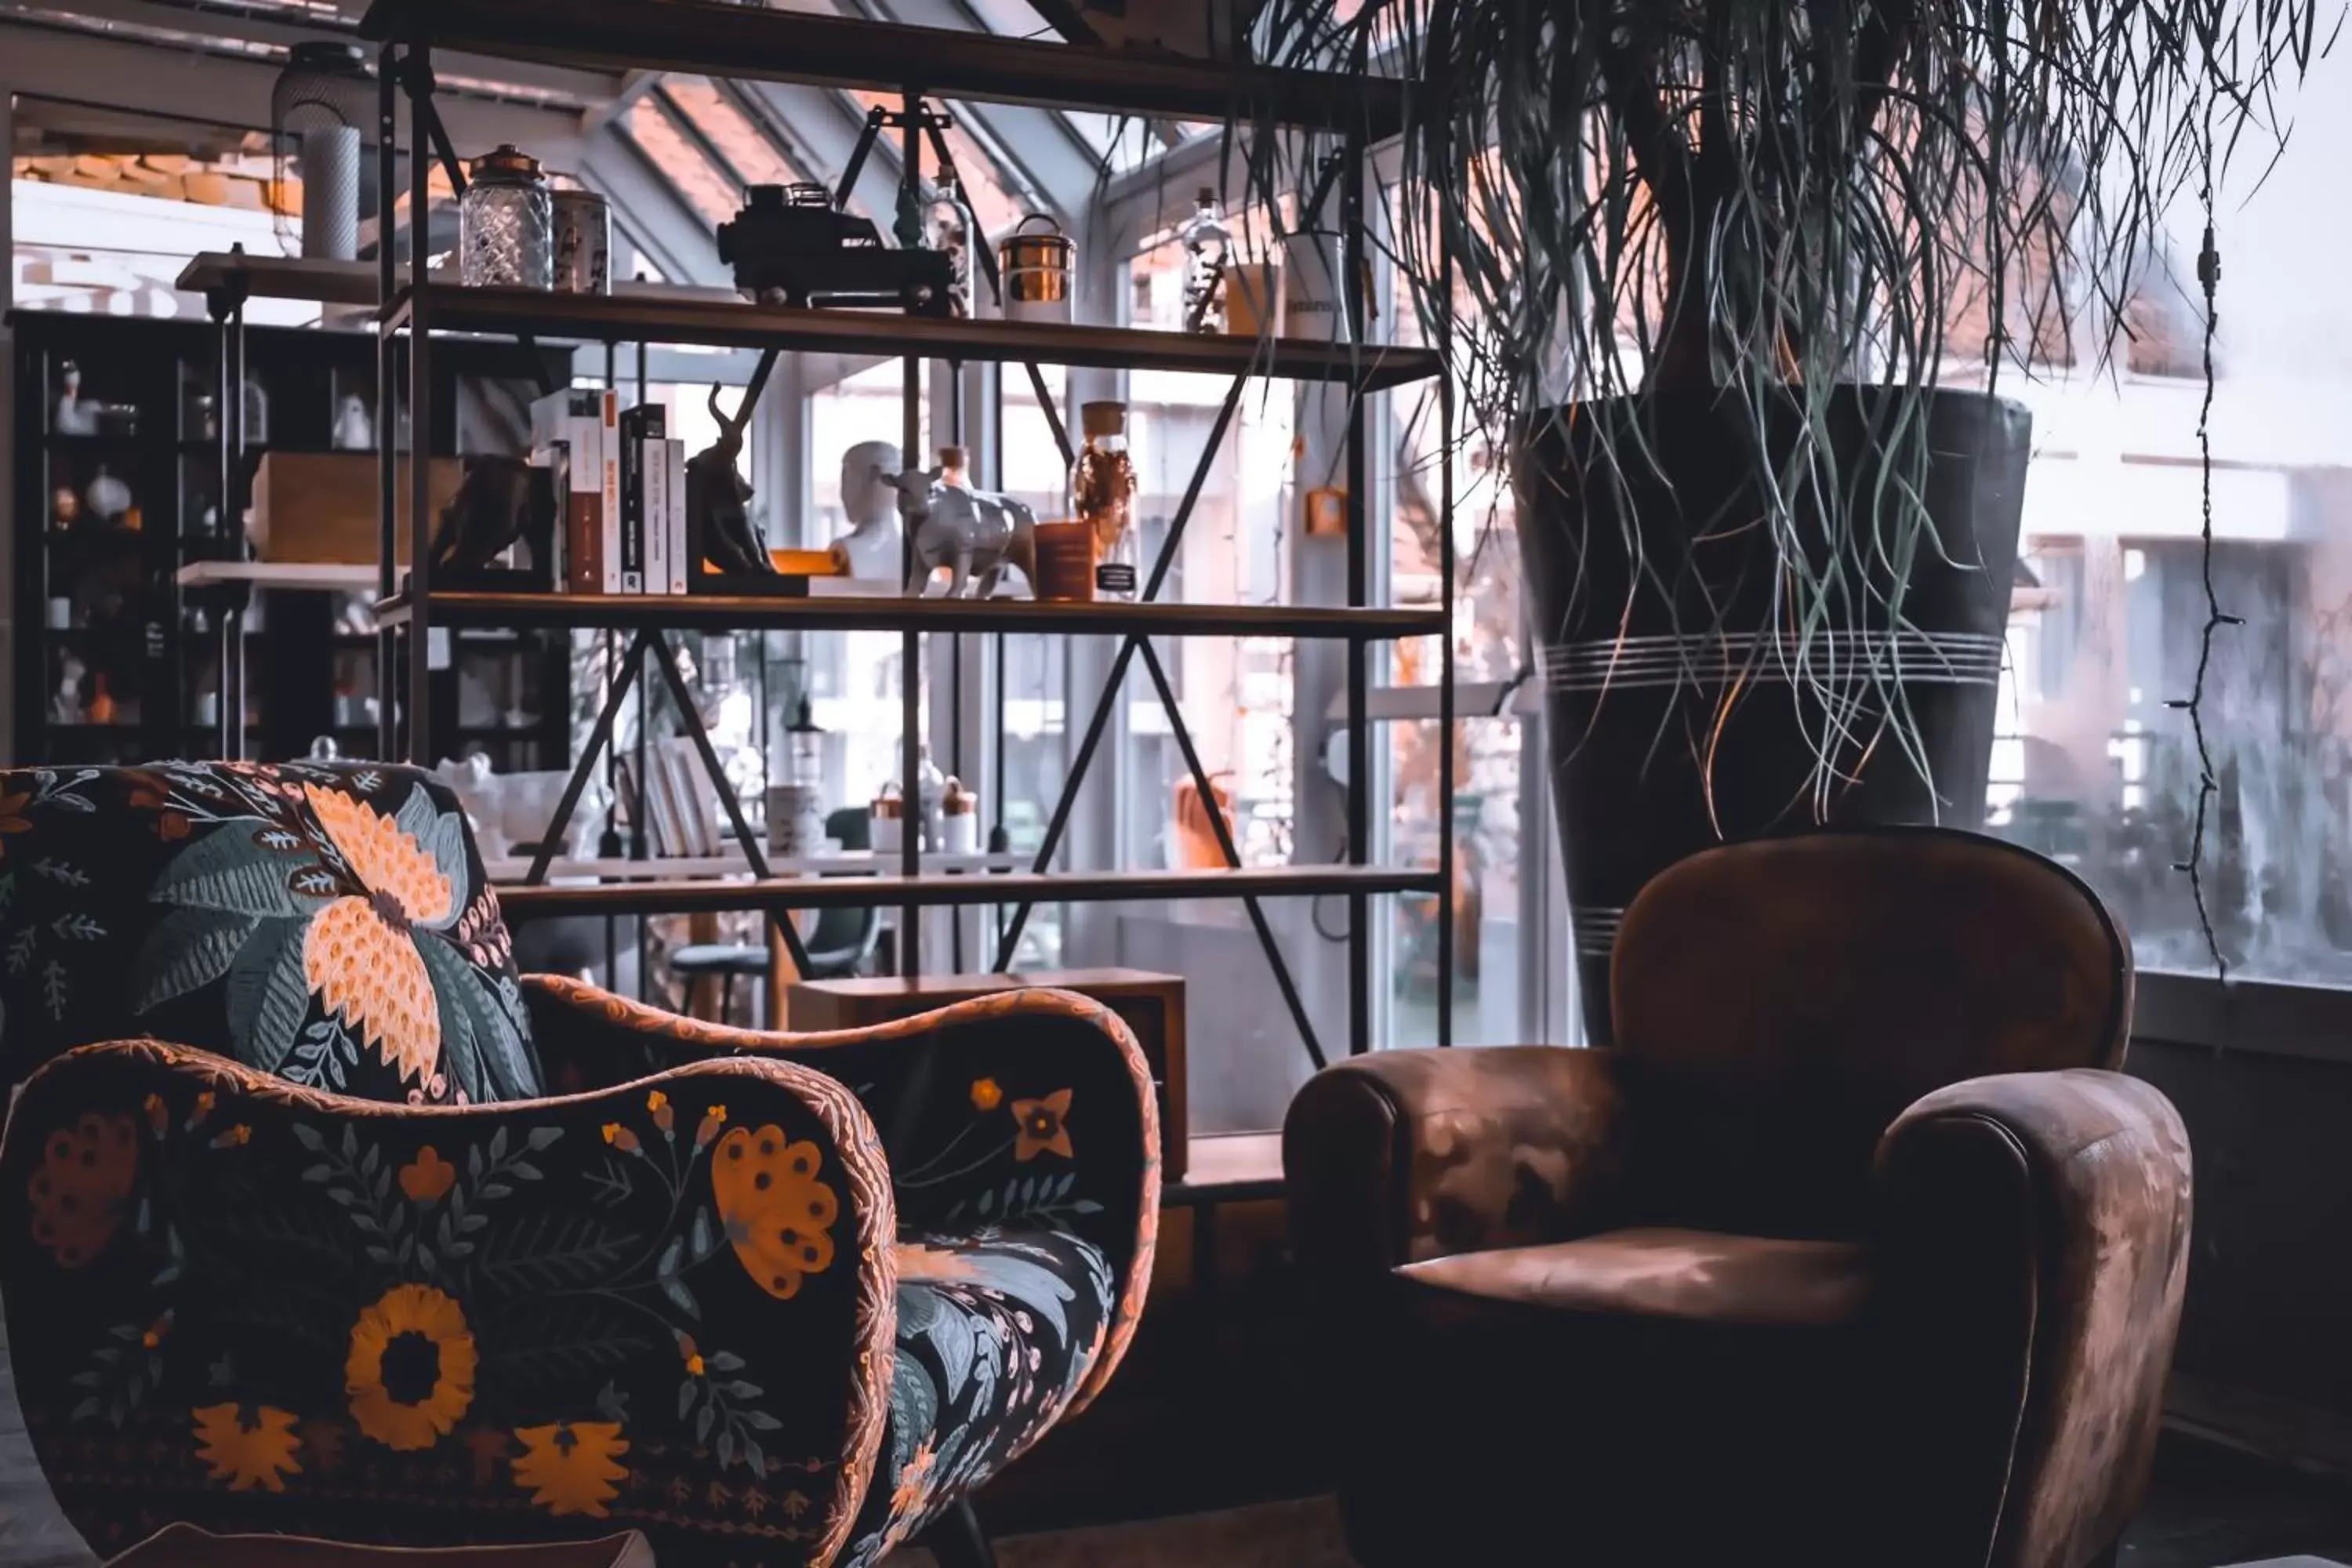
{"x": 1151, "y": 1004}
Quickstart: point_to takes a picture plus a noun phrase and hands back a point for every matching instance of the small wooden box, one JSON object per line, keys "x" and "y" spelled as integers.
{"x": 1151, "y": 1004}
{"x": 322, "y": 506}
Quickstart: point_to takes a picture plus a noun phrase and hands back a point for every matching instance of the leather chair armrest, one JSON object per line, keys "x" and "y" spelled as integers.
{"x": 2033, "y": 1248}
{"x": 1403, "y": 1157}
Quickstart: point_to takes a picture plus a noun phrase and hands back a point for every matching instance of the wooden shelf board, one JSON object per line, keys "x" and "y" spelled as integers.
{"x": 687, "y": 896}
{"x": 316, "y": 576}
{"x": 698, "y": 37}
{"x": 1227, "y": 1167}
{"x": 729, "y": 612}
{"x": 679, "y": 316}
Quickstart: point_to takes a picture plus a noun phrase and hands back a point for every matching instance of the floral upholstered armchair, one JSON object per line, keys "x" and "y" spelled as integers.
{"x": 315, "y": 1217}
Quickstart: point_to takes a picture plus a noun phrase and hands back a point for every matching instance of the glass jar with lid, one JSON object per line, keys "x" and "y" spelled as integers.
{"x": 506, "y": 223}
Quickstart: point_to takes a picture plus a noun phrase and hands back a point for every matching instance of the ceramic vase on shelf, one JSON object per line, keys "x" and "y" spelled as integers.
{"x": 795, "y": 820}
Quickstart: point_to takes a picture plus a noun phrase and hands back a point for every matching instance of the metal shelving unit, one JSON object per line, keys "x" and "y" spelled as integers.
{"x": 913, "y": 63}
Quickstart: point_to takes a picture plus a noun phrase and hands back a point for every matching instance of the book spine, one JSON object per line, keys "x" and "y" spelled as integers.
{"x": 656, "y": 515}
{"x": 632, "y": 504}
{"x": 608, "y": 438}
{"x": 678, "y": 563}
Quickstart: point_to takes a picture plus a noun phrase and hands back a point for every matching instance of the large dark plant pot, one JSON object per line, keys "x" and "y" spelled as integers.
{"x": 1686, "y": 707}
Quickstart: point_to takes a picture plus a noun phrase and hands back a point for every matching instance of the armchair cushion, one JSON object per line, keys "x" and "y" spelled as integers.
{"x": 1693, "y": 1276}
{"x": 996, "y": 1331}
{"x": 329, "y": 924}
{"x": 667, "y": 1305}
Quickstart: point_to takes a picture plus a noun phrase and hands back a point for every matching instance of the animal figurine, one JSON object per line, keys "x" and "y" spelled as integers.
{"x": 719, "y": 499}
{"x": 501, "y": 501}
{"x": 508, "y": 810}
{"x": 965, "y": 530}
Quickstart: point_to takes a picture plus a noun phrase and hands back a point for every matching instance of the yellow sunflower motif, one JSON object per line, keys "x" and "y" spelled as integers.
{"x": 410, "y": 1373}
{"x": 247, "y": 1446}
{"x": 568, "y": 1468}
{"x": 357, "y": 952}
{"x": 778, "y": 1213}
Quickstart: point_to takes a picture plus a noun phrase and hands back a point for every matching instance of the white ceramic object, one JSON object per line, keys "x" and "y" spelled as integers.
{"x": 795, "y": 820}
{"x": 869, "y": 500}
{"x": 1311, "y": 304}
{"x": 508, "y": 809}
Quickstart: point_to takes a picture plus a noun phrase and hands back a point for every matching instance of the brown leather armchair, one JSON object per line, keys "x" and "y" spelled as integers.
{"x": 1855, "y": 1248}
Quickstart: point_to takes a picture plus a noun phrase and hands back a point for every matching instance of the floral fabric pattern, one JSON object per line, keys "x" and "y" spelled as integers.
{"x": 315, "y": 1317}
{"x": 326, "y": 923}
{"x": 996, "y": 1331}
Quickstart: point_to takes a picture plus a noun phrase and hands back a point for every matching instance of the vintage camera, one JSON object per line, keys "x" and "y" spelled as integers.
{"x": 791, "y": 245}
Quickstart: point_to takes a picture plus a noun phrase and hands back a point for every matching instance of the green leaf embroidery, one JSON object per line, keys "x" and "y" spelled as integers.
{"x": 188, "y": 949}
{"x": 229, "y": 871}
{"x": 453, "y": 983}
{"x": 269, "y": 994}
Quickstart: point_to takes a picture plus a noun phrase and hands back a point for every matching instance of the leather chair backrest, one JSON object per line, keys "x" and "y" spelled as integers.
{"x": 1784, "y": 999}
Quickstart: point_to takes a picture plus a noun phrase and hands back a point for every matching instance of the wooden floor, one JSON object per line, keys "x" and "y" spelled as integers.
{"x": 2209, "y": 1508}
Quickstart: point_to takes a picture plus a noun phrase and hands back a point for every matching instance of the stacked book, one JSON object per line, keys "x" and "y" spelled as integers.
{"x": 622, "y": 478}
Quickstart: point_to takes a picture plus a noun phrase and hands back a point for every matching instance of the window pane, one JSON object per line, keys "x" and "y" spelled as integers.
{"x": 1487, "y": 950}
{"x": 747, "y": 148}
{"x": 2093, "y": 764}
{"x": 703, "y": 185}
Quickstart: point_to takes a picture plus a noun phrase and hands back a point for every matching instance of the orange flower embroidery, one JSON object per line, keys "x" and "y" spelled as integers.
{"x": 358, "y": 954}
{"x": 986, "y": 1094}
{"x": 709, "y": 1127}
{"x": 428, "y": 1178}
{"x": 778, "y": 1215}
{"x": 410, "y": 1373}
{"x": 154, "y": 796}
{"x": 917, "y": 1261}
{"x": 247, "y": 1446}
{"x": 569, "y": 1467}
{"x": 82, "y": 1187}
{"x": 906, "y": 1495}
{"x": 1042, "y": 1127}
{"x": 658, "y": 1103}
{"x": 12, "y": 816}
{"x": 621, "y": 1138}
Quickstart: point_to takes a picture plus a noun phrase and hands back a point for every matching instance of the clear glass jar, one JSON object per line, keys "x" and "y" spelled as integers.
{"x": 1208, "y": 247}
{"x": 1102, "y": 495}
{"x": 506, "y": 224}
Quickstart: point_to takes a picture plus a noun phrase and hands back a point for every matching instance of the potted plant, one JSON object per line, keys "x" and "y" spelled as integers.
{"x": 1735, "y": 281}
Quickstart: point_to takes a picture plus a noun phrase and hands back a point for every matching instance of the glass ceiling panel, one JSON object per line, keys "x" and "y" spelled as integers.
{"x": 706, "y": 188}
{"x": 1014, "y": 19}
{"x": 996, "y": 197}
{"x": 747, "y": 149}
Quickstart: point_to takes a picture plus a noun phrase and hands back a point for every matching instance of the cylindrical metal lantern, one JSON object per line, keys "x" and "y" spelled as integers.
{"x": 331, "y": 191}
{"x": 506, "y": 224}
{"x": 583, "y": 243}
{"x": 1036, "y": 269}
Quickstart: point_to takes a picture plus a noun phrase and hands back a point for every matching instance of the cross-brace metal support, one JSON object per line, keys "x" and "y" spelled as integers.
{"x": 655, "y": 643}
{"x": 1134, "y": 644}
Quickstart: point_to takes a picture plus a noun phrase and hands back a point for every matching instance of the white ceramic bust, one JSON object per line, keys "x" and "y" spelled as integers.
{"x": 870, "y": 502}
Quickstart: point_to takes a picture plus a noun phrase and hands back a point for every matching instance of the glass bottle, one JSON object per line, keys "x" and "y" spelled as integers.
{"x": 947, "y": 228}
{"x": 1207, "y": 248}
{"x": 506, "y": 224}
{"x": 955, "y": 467}
{"x": 1102, "y": 495}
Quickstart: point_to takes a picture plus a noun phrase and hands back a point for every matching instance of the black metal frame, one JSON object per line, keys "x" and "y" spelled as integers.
{"x": 404, "y": 67}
